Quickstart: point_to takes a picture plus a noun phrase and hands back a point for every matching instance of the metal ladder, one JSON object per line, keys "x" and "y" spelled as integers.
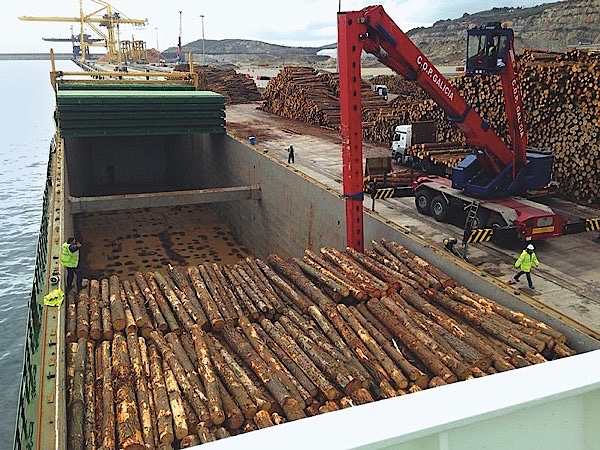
{"x": 471, "y": 216}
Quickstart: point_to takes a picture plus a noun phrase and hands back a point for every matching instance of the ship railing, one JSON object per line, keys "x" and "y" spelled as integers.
{"x": 28, "y": 395}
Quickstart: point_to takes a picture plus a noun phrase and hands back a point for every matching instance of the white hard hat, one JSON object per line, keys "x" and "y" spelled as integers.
{"x": 530, "y": 247}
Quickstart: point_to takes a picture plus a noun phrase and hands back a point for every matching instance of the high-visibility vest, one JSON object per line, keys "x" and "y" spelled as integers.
{"x": 526, "y": 260}
{"x": 54, "y": 298}
{"x": 68, "y": 258}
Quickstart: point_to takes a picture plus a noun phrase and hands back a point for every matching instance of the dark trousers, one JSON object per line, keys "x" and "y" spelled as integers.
{"x": 527, "y": 274}
{"x": 290, "y": 157}
{"x": 71, "y": 273}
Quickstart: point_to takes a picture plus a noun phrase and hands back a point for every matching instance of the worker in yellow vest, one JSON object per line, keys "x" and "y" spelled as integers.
{"x": 69, "y": 258}
{"x": 524, "y": 263}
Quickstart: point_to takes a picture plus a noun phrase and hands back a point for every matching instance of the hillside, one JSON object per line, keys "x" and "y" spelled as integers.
{"x": 552, "y": 26}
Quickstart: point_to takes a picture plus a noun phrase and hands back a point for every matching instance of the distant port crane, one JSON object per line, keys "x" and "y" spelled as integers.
{"x": 105, "y": 16}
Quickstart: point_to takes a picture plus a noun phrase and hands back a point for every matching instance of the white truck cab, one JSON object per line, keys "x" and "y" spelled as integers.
{"x": 381, "y": 89}
{"x": 407, "y": 135}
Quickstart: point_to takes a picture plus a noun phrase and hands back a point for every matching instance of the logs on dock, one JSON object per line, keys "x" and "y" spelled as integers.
{"x": 307, "y": 335}
{"x": 561, "y": 99}
{"x": 234, "y": 86}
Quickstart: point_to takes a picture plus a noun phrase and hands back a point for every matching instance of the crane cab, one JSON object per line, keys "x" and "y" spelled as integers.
{"x": 487, "y": 49}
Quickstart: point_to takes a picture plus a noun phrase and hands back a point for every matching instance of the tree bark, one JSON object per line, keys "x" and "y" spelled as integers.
{"x": 116, "y": 307}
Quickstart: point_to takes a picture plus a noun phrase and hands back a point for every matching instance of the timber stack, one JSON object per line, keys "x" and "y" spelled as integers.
{"x": 235, "y": 87}
{"x": 398, "y": 177}
{"x": 447, "y": 154}
{"x": 193, "y": 354}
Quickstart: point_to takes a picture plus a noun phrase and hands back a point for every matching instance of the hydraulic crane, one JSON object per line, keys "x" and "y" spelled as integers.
{"x": 496, "y": 180}
{"x": 102, "y": 17}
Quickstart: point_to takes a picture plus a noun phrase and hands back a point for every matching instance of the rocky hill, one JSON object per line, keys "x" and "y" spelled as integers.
{"x": 551, "y": 26}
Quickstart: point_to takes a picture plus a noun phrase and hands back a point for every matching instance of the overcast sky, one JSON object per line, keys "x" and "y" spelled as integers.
{"x": 297, "y": 23}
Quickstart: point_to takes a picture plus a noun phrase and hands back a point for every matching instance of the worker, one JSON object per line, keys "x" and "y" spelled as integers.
{"x": 291, "y": 154}
{"x": 524, "y": 263}
{"x": 69, "y": 258}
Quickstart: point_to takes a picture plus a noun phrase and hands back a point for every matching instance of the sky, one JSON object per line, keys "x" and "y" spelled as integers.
{"x": 295, "y": 23}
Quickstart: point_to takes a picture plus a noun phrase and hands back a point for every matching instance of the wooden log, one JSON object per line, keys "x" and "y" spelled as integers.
{"x": 191, "y": 417}
{"x": 259, "y": 300}
{"x": 234, "y": 418}
{"x": 162, "y": 303}
{"x": 108, "y": 406}
{"x": 322, "y": 277}
{"x": 180, "y": 426}
{"x": 262, "y": 280}
{"x": 262, "y": 419}
{"x": 245, "y": 351}
{"x": 147, "y": 324}
{"x": 277, "y": 368}
{"x": 373, "y": 285}
{"x": 188, "y": 381}
{"x": 134, "y": 305}
{"x": 206, "y": 301}
{"x": 216, "y": 293}
{"x": 89, "y": 427}
{"x": 149, "y": 388}
{"x": 95, "y": 310}
{"x": 180, "y": 352}
{"x": 164, "y": 423}
{"x": 83, "y": 314}
{"x": 336, "y": 273}
{"x": 308, "y": 386}
{"x": 129, "y": 430}
{"x": 157, "y": 316}
{"x": 193, "y": 303}
{"x": 209, "y": 378}
{"x": 190, "y": 440}
{"x": 255, "y": 398}
{"x": 248, "y": 307}
{"x": 174, "y": 301}
{"x": 299, "y": 299}
{"x": 205, "y": 434}
{"x": 302, "y": 359}
{"x": 71, "y": 317}
{"x": 141, "y": 389}
{"x": 116, "y": 307}
{"x": 410, "y": 341}
{"x": 230, "y": 380}
{"x": 77, "y": 403}
{"x": 130, "y": 326}
{"x": 386, "y": 362}
{"x": 107, "y": 326}
{"x": 233, "y": 304}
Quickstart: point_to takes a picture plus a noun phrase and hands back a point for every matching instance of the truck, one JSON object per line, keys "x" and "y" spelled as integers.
{"x": 497, "y": 183}
{"x": 381, "y": 90}
{"x": 408, "y": 135}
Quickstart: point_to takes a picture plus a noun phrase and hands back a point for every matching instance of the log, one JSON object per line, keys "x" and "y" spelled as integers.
{"x": 150, "y": 389}
{"x": 108, "y": 407}
{"x": 208, "y": 376}
{"x": 89, "y": 427}
{"x": 157, "y": 316}
{"x": 117, "y": 312}
{"x": 164, "y": 423}
{"x": 141, "y": 389}
{"x": 165, "y": 309}
{"x": 129, "y": 430}
{"x": 230, "y": 380}
{"x": 180, "y": 425}
{"x": 215, "y": 289}
{"x": 77, "y": 403}
{"x": 193, "y": 303}
{"x": 83, "y": 314}
{"x": 107, "y": 326}
{"x": 299, "y": 299}
{"x": 206, "y": 301}
{"x": 205, "y": 434}
{"x": 234, "y": 306}
{"x": 246, "y": 304}
{"x": 95, "y": 310}
{"x": 174, "y": 301}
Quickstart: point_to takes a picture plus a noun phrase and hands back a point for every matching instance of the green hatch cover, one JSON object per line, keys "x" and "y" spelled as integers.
{"x": 135, "y": 112}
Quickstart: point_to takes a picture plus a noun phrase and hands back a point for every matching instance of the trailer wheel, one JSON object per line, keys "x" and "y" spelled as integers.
{"x": 439, "y": 208}
{"x": 423, "y": 201}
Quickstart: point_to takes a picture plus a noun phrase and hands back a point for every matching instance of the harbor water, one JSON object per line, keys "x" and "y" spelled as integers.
{"x": 27, "y": 128}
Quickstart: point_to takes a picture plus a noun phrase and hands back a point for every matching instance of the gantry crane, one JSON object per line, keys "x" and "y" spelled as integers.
{"x": 75, "y": 40}
{"x": 102, "y": 17}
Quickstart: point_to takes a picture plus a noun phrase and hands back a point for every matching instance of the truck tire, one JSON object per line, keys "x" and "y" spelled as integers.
{"x": 496, "y": 221}
{"x": 423, "y": 201}
{"x": 439, "y": 208}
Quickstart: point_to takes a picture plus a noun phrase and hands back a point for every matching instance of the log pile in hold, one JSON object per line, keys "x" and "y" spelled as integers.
{"x": 307, "y": 335}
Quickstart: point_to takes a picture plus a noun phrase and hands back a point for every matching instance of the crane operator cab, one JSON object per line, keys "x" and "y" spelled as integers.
{"x": 487, "y": 48}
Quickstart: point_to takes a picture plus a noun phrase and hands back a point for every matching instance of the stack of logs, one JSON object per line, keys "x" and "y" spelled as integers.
{"x": 235, "y": 87}
{"x": 398, "y": 177}
{"x": 175, "y": 359}
{"x": 302, "y": 93}
{"x": 447, "y": 154}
